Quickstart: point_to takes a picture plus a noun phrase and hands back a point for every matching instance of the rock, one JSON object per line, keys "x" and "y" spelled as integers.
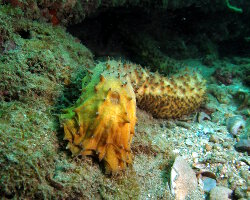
{"x": 217, "y": 147}
{"x": 208, "y": 147}
{"x": 235, "y": 124}
{"x": 220, "y": 193}
{"x": 195, "y": 155}
{"x": 207, "y": 130}
{"x": 243, "y": 145}
{"x": 183, "y": 179}
{"x": 203, "y": 116}
{"x": 239, "y": 193}
{"x": 217, "y": 117}
{"x": 208, "y": 184}
{"x": 169, "y": 124}
{"x": 189, "y": 142}
{"x": 226, "y": 145}
{"x": 214, "y": 139}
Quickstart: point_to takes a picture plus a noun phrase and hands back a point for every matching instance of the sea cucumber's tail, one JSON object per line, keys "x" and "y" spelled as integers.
{"x": 163, "y": 97}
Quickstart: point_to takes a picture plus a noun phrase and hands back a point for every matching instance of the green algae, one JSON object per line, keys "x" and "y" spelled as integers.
{"x": 36, "y": 59}
{"x": 41, "y": 69}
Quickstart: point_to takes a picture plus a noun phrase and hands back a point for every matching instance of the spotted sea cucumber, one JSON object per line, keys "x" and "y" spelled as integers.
{"x": 102, "y": 121}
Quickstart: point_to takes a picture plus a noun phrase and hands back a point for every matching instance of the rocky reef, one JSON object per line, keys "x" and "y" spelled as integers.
{"x": 55, "y": 80}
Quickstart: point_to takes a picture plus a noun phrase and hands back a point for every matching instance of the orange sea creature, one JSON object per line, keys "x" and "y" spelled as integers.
{"x": 103, "y": 119}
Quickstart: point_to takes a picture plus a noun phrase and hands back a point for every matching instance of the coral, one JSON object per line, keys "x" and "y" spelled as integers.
{"x": 103, "y": 119}
{"x": 235, "y": 124}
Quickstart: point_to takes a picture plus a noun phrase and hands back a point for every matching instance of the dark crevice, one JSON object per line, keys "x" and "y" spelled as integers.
{"x": 180, "y": 34}
{"x": 25, "y": 34}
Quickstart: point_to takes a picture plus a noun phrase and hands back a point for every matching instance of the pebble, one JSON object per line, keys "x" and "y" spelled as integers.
{"x": 220, "y": 193}
{"x": 217, "y": 147}
{"x": 235, "y": 124}
{"x": 207, "y": 130}
{"x": 243, "y": 145}
{"x": 214, "y": 139}
{"x": 226, "y": 145}
{"x": 183, "y": 179}
{"x": 203, "y": 116}
{"x": 189, "y": 142}
{"x": 195, "y": 155}
{"x": 176, "y": 151}
{"x": 208, "y": 184}
{"x": 208, "y": 147}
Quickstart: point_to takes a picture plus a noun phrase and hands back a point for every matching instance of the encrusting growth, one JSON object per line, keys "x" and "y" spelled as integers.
{"x": 103, "y": 119}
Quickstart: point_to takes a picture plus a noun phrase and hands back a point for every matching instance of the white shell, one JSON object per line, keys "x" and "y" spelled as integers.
{"x": 235, "y": 123}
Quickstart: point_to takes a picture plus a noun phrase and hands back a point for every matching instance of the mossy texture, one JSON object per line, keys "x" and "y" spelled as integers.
{"x": 37, "y": 62}
{"x": 41, "y": 71}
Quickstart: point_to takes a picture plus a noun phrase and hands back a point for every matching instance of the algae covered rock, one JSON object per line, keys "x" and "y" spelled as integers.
{"x": 183, "y": 179}
{"x": 36, "y": 59}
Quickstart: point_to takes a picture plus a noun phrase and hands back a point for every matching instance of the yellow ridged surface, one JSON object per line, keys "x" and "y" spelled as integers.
{"x": 103, "y": 119}
{"x": 167, "y": 97}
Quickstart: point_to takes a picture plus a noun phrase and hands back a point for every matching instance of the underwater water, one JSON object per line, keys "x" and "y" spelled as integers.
{"x": 124, "y": 99}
